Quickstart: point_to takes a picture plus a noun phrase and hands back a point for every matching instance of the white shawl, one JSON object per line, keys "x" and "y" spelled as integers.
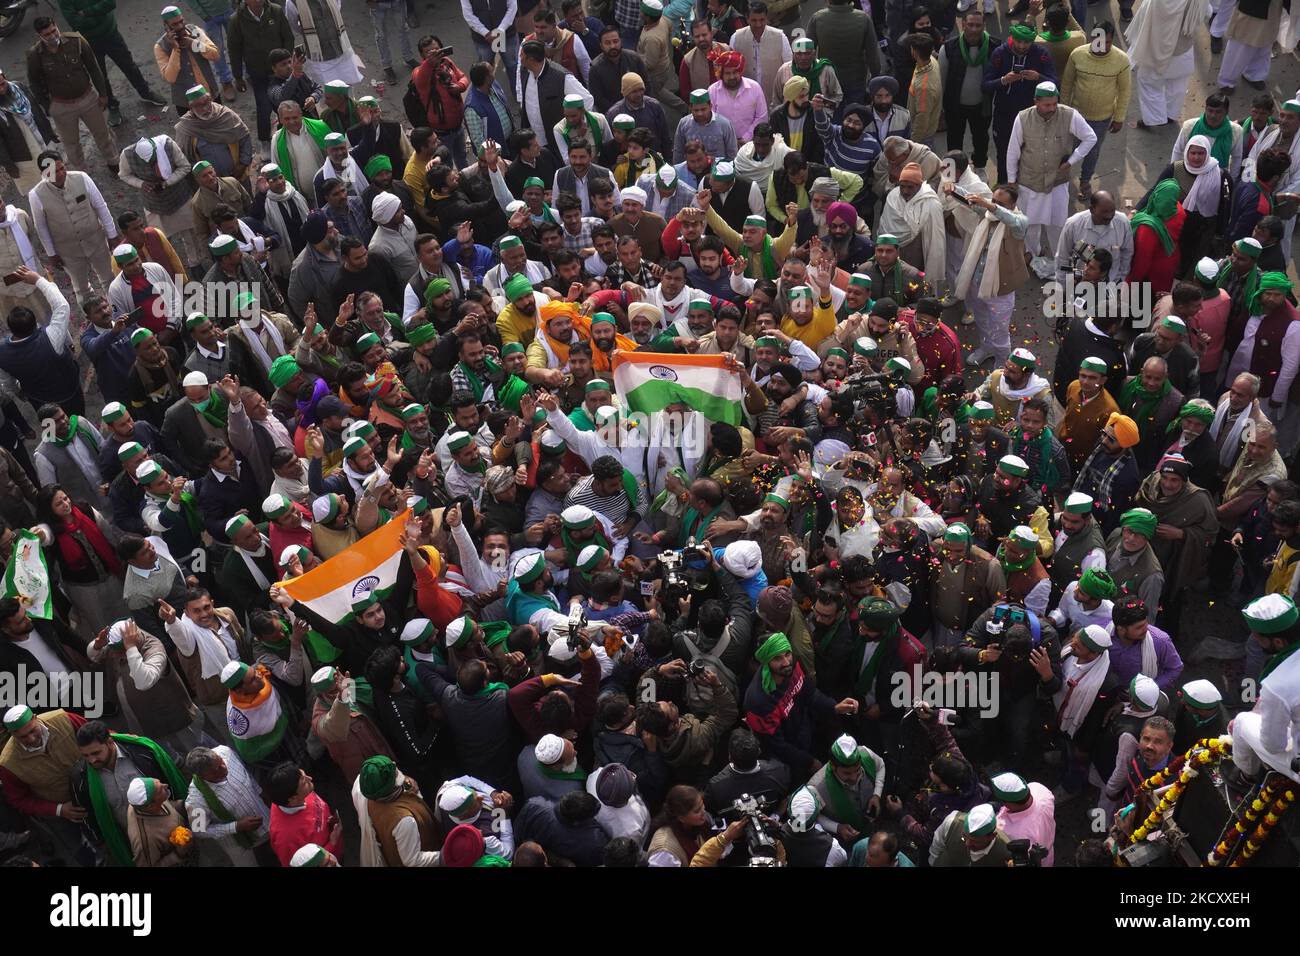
{"x": 1203, "y": 197}
{"x": 255, "y": 341}
{"x": 357, "y": 479}
{"x": 350, "y": 174}
{"x": 1085, "y": 680}
{"x": 1151, "y": 41}
{"x": 258, "y": 577}
{"x": 992, "y": 278}
{"x": 21, "y": 239}
{"x": 371, "y": 854}
{"x": 1231, "y": 444}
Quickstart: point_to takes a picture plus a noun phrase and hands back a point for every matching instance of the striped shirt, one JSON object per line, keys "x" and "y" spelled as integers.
{"x": 616, "y": 508}
{"x": 857, "y": 157}
{"x": 582, "y": 239}
{"x": 238, "y": 793}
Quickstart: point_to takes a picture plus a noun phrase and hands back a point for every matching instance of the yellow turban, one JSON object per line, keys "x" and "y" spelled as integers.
{"x": 1126, "y": 430}
{"x": 794, "y": 88}
{"x": 433, "y": 557}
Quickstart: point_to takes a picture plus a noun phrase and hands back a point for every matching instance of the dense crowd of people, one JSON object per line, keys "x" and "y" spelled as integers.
{"x": 909, "y": 596}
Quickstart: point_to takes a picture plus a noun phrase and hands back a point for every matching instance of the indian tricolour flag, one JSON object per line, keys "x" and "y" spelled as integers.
{"x": 650, "y": 381}
{"x": 369, "y": 565}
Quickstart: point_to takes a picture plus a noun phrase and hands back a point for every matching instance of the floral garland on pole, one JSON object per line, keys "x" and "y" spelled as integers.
{"x": 1204, "y": 752}
{"x": 1265, "y": 827}
{"x": 1242, "y": 821}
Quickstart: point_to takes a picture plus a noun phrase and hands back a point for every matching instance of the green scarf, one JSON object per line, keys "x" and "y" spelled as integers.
{"x": 691, "y": 522}
{"x": 1139, "y": 402}
{"x": 476, "y": 384}
{"x": 1248, "y": 287}
{"x": 593, "y": 127}
{"x": 488, "y": 859}
{"x": 574, "y": 548}
{"x": 1047, "y": 473}
{"x": 824, "y": 642}
{"x": 813, "y": 75}
{"x": 1159, "y": 209}
{"x": 1271, "y": 664}
{"x": 554, "y": 774}
{"x": 767, "y": 263}
{"x": 213, "y": 408}
{"x": 1054, "y": 37}
{"x": 114, "y": 838}
{"x": 966, "y": 54}
{"x": 487, "y": 690}
{"x": 219, "y": 810}
{"x": 314, "y": 128}
{"x": 77, "y": 426}
{"x": 841, "y": 802}
{"x": 867, "y": 676}
{"x": 1221, "y": 138}
{"x": 1011, "y": 567}
{"x": 189, "y": 510}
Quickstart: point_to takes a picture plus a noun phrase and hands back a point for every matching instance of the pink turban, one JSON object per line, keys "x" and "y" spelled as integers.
{"x": 842, "y": 212}
{"x": 731, "y": 60}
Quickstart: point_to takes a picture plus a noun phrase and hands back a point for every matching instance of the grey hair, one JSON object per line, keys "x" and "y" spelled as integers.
{"x": 290, "y": 105}
{"x": 1162, "y": 724}
{"x": 1252, "y": 380}
{"x": 1164, "y": 366}
{"x": 1267, "y": 430}
{"x": 200, "y": 760}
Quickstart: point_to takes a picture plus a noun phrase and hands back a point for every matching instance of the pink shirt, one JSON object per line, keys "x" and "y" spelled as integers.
{"x": 745, "y": 108}
{"x": 1213, "y": 320}
{"x": 1037, "y": 824}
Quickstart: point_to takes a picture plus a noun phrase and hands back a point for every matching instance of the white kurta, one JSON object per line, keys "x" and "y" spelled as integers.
{"x": 1268, "y": 733}
{"x": 346, "y": 67}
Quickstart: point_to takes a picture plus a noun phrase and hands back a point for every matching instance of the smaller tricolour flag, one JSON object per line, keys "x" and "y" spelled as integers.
{"x": 650, "y": 381}
{"x": 370, "y": 564}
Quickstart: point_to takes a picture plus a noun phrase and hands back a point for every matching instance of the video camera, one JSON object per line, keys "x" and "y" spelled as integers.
{"x": 761, "y": 834}
{"x": 678, "y": 579}
{"x": 577, "y": 626}
{"x": 869, "y": 390}
{"x": 1026, "y": 853}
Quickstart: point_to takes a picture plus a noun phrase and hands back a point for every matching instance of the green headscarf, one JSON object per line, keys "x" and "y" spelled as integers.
{"x": 774, "y": 646}
{"x": 1098, "y": 584}
{"x": 1199, "y": 409}
{"x": 1160, "y": 207}
{"x": 1139, "y": 520}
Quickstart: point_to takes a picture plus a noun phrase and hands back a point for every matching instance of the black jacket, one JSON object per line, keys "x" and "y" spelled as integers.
{"x": 13, "y": 145}
{"x": 953, "y": 79}
{"x": 614, "y": 746}
{"x": 144, "y": 761}
{"x": 1080, "y": 343}
{"x": 813, "y": 149}
{"x": 580, "y": 843}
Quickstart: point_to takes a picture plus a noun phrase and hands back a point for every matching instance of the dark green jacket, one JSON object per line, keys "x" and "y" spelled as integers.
{"x": 93, "y": 19}
{"x": 249, "y": 42}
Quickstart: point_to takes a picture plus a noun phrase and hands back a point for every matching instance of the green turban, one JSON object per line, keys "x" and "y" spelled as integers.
{"x": 879, "y": 614}
{"x": 518, "y": 286}
{"x": 774, "y": 646}
{"x": 1197, "y": 408}
{"x": 283, "y": 369}
{"x": 419, "y": 334}
{"x": 1268, "y": 281}
{"x": 1024, "y": 32}
{"x": 378, "y": 778}
{"x": 435, "y": 288}
{"x": 378, "y": 163}
{"x": 1139, "y": 520}
{"x": 510, "y": 392}
{"x": 1098, "y": 584}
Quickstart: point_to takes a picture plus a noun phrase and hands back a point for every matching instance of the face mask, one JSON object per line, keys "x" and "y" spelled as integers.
{"x": 200, "y": 406}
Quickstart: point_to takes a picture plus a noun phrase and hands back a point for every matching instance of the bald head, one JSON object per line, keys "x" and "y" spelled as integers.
{"x": 1102, "y": 206}
{"x": 1155, "y": 371}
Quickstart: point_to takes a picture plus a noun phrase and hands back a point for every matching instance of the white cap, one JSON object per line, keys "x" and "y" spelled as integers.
{"x": 116, "y": 632}
{"x": 137, "y": 792}
{"x": 144, "y": 148}
{"x": 981, "y": 817}
{"x": 322, "y": 675}
{"x": 194, "y": 378}
{"x": 1010, "y": 787}
{"x": 1207, "y": 269}
{"x": 549, "y": 749}
{"x": 415, "y": 629}
{"x": 453, "y": 798}
{"x": 804, "y": 807}
{"x": 307, "y": 853}
{"x": 560, "y": 651}
{"x": 1202, "y": 692}
{"x": 576, "y": 514}
{"x": 634, "y": 193}
{"x": 743, "y": 558}
{"x": 1098, "y": 635}
{"x": 1143, "y": 690}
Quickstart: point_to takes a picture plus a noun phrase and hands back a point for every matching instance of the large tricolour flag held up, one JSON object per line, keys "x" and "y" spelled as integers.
{"x": 650, "y": 381}
{"x": 369, "y": 565}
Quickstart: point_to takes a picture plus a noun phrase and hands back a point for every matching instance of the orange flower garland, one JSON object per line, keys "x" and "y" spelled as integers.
{"x": 181, "y": 836}
{"x": 1204, "y": 752}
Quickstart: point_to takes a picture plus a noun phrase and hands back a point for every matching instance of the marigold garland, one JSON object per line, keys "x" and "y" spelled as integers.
{"x": 181, "y": 836}
{"x": 1202, "y": 753}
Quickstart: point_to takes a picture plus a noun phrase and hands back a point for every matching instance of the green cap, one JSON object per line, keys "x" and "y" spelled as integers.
{"x": 283, "y": 369}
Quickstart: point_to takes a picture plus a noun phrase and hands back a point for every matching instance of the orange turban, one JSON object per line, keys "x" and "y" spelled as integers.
{"x": 1125, "y": 429}
{"x": 912, "y": 174}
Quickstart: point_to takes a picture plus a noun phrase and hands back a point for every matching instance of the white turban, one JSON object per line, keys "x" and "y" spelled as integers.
{"x": 453, "y": 798}
{"x": 743, "y": 558}
{"x": 634, "y": 193}
{"x": 384, "y": 207}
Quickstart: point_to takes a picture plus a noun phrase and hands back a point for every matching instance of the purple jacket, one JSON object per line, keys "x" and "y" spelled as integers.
{"x": 1126, "y": 660}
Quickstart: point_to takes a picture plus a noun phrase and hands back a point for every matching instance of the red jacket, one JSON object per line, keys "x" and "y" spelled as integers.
{"x": 1150, "y": 261}
{"x": 290, "y": 832}
{"x": 440, "y": 95}
{"x": 525, "y": 700}
{"x": 940, "y": 351}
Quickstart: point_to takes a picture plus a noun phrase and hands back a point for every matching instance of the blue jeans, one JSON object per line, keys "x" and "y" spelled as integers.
{"x": 216, "y": 30}
{"x": 387, "y": 13}
{"x": 1089, "y": 164}
{"x": 509, "y": 56}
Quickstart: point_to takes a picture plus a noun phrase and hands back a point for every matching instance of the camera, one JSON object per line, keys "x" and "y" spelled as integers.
{"x": 678, "y": 580}
{"x": 1026, "y": 853}
{"x": 695, "y": 669}
{"x": 760, "y": 835}
{"x": 873, "y": 390}
{"x": 577, "y": 624}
